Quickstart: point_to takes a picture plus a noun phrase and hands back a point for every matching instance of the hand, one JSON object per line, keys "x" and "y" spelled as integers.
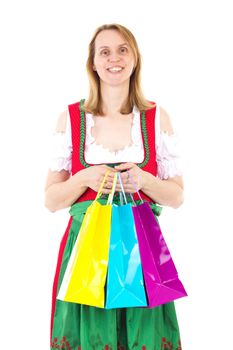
{"x": 136, "y": 174}
{"x": 94, "y": 176}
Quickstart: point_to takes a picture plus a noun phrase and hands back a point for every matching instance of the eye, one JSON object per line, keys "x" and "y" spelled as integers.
{"x": 123, "y": 49}
{"x": 104, "y": 52}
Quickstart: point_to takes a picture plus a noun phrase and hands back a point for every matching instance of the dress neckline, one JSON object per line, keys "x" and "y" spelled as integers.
{"x": 83, "y": 138}
{"x": 90, "y": 139}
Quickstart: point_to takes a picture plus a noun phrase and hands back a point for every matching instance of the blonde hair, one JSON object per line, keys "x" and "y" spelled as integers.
{"x": 93, "y": 104}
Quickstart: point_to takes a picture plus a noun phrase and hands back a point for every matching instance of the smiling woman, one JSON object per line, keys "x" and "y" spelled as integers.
{"x": 114, "y": 129}
{"x": 114, "y": 59}
{"x": 114, "y": 64}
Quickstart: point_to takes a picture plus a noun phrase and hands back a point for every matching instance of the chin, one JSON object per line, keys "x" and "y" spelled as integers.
{"x": 115, "y": 82}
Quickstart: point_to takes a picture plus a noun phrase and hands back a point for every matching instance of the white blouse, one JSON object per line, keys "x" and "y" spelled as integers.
{"x": 167, "y": 148}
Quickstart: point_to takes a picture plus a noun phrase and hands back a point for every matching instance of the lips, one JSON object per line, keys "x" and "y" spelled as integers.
{"x": 115, "y": 69}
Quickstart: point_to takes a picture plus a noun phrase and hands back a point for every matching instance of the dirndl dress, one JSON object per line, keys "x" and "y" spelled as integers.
{"x": 81, "y": 327}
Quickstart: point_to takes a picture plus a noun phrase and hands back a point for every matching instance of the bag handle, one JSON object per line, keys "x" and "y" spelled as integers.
{"x": 110, "y": 196}
{"x": 122, "y": 190}
{"x": 135, "y": 187}
{"x": 102, "y": 185}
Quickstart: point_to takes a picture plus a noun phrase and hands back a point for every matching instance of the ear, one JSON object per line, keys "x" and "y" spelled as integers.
{"x": 94, "y": 68}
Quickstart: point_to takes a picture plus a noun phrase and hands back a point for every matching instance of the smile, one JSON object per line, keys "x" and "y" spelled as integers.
{"x": 115, "y": 69}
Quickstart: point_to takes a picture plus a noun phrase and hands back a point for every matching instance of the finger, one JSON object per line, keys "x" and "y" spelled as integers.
{"x": 125, "y": 175}
{"x": 118, "y": 185}
{"x": 109, "y": 185}
{"x": 135, "y": 183}
{"x": 111, "y": 179}
{"x": 109, "y": 182}
{"x": 125, "y": 187}
{"x": 110, "y": 168}
{"x": 128, "y": 190}
{"x": 124, "y": 166}
{"x": 112, "y": 174}
{"x": 106, "y": 191}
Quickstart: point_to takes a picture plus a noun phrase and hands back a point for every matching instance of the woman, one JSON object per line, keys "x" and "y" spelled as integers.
{"x": 115, "y": 129}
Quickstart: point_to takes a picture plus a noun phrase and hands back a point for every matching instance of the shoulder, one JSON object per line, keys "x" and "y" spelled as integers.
{"x": 61, "y": 122}
{"x": 165, "y": 122}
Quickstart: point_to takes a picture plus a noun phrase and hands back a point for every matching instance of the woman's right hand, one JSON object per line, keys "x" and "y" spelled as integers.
{"x": 94, "y": 175}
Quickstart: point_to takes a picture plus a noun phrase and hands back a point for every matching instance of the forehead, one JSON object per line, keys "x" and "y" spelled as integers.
{"x": 109, "y": 37}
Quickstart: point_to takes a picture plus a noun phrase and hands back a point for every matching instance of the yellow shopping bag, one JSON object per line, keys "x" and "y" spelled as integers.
{"x": 85, "y": 275}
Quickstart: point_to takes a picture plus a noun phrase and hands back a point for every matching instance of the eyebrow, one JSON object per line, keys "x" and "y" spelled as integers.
{"x": 102, "y": 47}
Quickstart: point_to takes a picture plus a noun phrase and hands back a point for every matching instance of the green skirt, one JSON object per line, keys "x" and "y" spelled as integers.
{"x": 82, "y": 327}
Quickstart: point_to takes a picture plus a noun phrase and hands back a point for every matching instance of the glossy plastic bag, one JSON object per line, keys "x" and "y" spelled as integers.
{"x": 125, "y": 287}
{"x": 161, "y": 278}
{"x": 85, "y": 275}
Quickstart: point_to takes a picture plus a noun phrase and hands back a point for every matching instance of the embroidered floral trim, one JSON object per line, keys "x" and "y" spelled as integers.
{"x": 83, "y": 133}
{"x": 64, "y": 345}
{"x": 167, "y": 345}
{"x": 145, "y": 137}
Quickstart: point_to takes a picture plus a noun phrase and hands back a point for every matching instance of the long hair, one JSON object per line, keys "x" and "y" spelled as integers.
{"x": 93, "y": 104}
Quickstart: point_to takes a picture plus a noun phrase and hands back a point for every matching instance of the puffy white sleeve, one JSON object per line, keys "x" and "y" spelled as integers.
{"x": 168, "y": 152}
{"x": 61, "y": 150}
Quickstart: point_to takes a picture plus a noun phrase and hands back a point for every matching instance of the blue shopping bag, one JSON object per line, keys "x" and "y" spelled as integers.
{"x": 125, "y": 284}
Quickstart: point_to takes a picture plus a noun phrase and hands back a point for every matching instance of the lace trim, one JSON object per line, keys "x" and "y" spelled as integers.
{"x": 135, "y": 134}
{"x": 61, "y": 153}
{"x": 168, "y": 156}
{"x": 169, "y": 168}
{"x": 167, "y": 150}
{"x": 64, "y": 345}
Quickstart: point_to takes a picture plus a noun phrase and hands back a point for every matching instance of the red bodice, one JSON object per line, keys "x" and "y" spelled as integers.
{"x": 78, "y": 134}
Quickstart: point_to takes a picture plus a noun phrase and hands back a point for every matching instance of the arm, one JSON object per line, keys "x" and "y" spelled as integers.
{"x": 62, "y": 190}
{"x": 167, "y": 192}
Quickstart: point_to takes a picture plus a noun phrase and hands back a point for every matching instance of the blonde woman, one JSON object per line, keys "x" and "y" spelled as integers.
{"x": 114, "y": 129}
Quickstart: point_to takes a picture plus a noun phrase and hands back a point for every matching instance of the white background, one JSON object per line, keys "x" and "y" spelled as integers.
{"x": 187, "y": 68}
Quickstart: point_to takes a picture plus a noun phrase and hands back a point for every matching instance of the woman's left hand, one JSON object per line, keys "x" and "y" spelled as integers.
{"x": 129, "y": 172}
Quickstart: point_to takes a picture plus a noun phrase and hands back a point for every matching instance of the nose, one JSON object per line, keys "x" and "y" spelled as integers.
{"x": 114, "y": 57}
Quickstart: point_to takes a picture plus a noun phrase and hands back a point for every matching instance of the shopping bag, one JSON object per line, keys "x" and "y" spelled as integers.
{"x": 125, "y": 287}
{"x": 161, "y": 277}
{"x": 85, "y": 275}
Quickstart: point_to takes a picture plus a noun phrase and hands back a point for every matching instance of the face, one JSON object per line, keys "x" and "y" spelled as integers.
{"x": 113, "y": 60}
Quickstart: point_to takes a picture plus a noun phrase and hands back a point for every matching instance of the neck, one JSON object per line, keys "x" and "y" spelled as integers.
{"x": 113, "y": 97}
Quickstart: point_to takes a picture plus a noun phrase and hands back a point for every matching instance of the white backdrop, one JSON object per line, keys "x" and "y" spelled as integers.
{"x": 187, "y": 68}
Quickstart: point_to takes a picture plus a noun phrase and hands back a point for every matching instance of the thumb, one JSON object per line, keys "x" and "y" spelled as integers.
{"x": 109, "y": 168}
{"x": 124, "y": 166}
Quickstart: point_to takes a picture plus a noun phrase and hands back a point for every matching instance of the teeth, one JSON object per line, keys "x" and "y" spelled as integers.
{"x": 115, "y": 69}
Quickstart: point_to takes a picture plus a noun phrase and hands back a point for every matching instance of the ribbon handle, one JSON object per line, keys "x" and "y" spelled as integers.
{"x": 135, "y": 187}
{"x": 110, "y": 196}
{"x": 99, "y": 194}
{"x": 122, "y": 190}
